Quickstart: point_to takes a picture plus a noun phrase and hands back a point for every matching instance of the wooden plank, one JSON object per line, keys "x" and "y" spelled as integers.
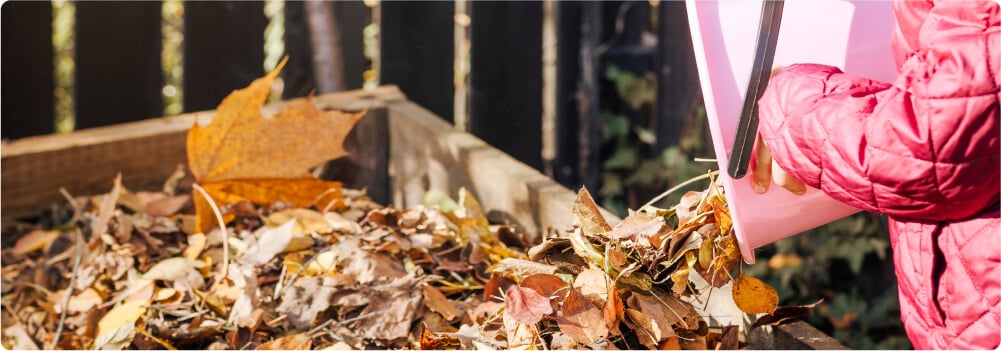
{"x": 118, "y": 76}
{"x": 427, "y": 153}
{"x": 146, "y": 152}
{"x": 795, "y": 335}
{"x": 506, "y": 77}
{"x": 26, "y": 39}
{"x": 223, "y": 49}
{"x": 417, "y": 52}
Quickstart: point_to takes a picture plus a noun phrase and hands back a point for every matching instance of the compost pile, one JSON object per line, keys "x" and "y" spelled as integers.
{"x": 233, "y": 256}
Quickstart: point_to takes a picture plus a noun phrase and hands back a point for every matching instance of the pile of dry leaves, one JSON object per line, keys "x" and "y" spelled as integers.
{"x": 259, "y": 255}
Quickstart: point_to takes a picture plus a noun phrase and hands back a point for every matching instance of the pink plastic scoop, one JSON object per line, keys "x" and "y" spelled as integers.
{"x": 851, "y": 35}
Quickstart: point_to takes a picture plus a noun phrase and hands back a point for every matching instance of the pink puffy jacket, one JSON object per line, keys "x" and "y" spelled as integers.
{"x": 924, "y": 150}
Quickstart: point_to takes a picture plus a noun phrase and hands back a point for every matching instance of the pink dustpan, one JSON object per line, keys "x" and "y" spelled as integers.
{"x": 852, "y": 35}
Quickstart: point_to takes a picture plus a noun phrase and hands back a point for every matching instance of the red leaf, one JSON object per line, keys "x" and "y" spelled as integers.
{"x": 525, "y": 305}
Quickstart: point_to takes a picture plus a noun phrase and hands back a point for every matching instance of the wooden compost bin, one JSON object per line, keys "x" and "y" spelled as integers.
{"x": 399, "y": 151}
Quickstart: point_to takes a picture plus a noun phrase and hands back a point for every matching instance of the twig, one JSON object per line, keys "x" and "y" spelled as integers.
{"x": 69, "y": 289}
{"x": 359, "y": 317}
{"x": 73, "y": 204}
{"x": 703, "y": 159}
{"x": 222, "y": 226}
{"x": 281, "y": 282}
{"x": 163, "y": 343}
{"x": 676, "y": 187}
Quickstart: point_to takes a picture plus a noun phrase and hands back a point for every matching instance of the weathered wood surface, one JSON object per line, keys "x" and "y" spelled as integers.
{"x": 399, "y": 152}
{"x": 796, "y": 335}
{"x": 145, "y": 152}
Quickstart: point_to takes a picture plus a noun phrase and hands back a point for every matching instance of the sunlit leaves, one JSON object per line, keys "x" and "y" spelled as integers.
{"x": 243, "y": 155}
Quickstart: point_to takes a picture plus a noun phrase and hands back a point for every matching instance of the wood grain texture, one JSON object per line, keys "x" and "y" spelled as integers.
{"x": 145, "y": 152}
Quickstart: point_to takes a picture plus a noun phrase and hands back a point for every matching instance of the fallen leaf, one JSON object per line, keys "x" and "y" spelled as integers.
{"x": 432, "y": 341}
{"x": 729, "y": 340}
{"x": 288, "y": 342}
{"x": 562, "y": 341}
{"x": 753, "y": 295}
{"x": 106, "y": 208}
{"x": 581, "y": 320}
{"x": 637, "y": 224}
{"x": 649, "y": 331}
{"x": 665, "y": 309}
{"x": 614, "y": 310}
{"x": 269, "y": 243}
{"x": 437, "y": 302}
{"x": 588, "y": 215}
{"x": 673, "y": 343}
{"x": 118, "y": 338}
{"x": 173, "y": 268}
{"x": 196, "y": 243}
{"x": 592, "y": 283}
{"x": 520, "y": 336}
{"x": 33, "y": 241}
{"x": 167, "y": 205}
{"x": 124, "y": 314}
{"x": 547, "y": 285}
{"x": 21, "y": 339}
{"x": 297, "y": 192}
{"x": 526, "y": 305}
{"x": 240, "y": 143}
{"x": 516, "y": 267}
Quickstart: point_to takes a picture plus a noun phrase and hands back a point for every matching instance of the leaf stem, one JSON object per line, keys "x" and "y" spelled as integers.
{"x": 222, "y": 227}
{"x": 679, "y": 186}
{"x": 78, "y": 247}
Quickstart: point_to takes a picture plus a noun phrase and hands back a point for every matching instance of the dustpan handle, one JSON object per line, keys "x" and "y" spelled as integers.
{"x": 764, "y": 55}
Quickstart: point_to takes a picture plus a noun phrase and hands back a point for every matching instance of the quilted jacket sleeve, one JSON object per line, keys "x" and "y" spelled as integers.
{"x": 923, "y": 147}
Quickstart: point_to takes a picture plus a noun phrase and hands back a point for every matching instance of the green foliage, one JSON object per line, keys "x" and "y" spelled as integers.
{"x": 831, "y": 262}
{"x": 633, "y": 171}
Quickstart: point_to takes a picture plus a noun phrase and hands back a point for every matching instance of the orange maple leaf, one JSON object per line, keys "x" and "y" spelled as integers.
{"x": 244, "y": 155}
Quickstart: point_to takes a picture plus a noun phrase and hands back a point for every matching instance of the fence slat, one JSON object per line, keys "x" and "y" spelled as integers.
{"x": 565, "y": 169}
{"x": 351, "y": 18}
{"x": 678, "y": 92}
{"x": 506, "y": 77}
{"x": 118, "y": 77}
{"x": 298, "y": 73}
{"x": 417, "y": 52}
{"x": 26, "y": 40}
{"x": 223, "y": 49}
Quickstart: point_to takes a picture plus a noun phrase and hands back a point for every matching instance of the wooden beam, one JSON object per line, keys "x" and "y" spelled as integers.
{"x": 145, "y": 152}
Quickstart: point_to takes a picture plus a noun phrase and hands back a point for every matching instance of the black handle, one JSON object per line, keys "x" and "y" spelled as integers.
{"x": 747, "y": 125}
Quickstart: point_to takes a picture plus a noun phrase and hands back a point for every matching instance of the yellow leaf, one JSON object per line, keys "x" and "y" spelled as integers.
{"x": 288, "y": 342}
{"x": 36, "y": 240}
{"x": 196, "y": 243}
{"x": 298, "y": 192}
{"x": 120, "y": 315}
{"x": 241, "y": 143}
{"x": 325, "y": 263}
{"x": 753, "y": 295}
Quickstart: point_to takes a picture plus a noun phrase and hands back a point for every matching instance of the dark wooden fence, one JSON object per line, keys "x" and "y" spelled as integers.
{"x": 118, "y": 76}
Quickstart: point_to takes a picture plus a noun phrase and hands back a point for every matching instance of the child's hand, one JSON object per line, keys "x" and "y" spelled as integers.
{"x": 765, "y": 167}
